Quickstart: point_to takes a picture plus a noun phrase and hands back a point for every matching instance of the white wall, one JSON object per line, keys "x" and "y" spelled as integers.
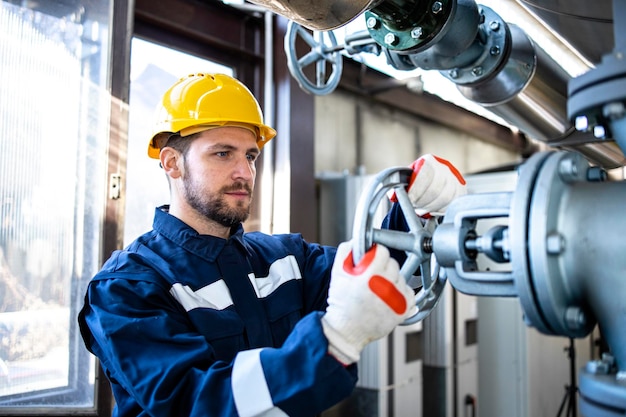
{"x": 391, "y": 138}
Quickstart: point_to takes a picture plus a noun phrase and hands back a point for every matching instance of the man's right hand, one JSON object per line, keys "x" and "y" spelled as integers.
{"x": 366, "y": 301}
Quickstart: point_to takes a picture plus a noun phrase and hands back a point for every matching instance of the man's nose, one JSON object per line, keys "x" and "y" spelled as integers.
{"x": 244, "y": 168}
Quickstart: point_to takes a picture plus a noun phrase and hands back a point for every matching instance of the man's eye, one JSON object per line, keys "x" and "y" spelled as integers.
{"x": 251, "y": 157}
{"x": 222, "y": 154}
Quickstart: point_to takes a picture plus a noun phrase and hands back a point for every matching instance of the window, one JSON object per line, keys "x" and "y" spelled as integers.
{"x": 54, "y": 127}
{"x": 154, "y": 68}
{"x": 62, "y": 132}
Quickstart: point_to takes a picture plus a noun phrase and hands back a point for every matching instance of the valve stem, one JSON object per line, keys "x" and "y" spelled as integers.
{"x": 427, "y": 245}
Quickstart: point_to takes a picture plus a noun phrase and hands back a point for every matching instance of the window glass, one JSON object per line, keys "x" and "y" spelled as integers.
{"x": 154, "y": 68}
{"x": 54, "y": 118}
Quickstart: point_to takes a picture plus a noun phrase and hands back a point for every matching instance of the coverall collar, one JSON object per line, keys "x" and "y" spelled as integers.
{"x": 206, "y": 246}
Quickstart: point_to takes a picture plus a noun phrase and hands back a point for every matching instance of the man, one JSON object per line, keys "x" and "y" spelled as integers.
{"x": 198, "y": 318}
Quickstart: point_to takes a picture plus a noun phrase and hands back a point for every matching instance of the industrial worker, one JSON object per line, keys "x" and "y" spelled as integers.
{"x": 198, "y": 318}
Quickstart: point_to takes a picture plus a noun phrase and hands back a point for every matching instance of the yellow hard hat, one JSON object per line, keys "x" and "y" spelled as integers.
{"x": 200, "y": 102}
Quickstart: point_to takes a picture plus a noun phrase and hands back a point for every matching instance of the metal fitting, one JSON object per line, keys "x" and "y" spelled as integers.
{"x": 599, "y": 132}
{"x": 391, "y": 39}
{"x": 555, "y": 243}
{"x": 582, "y": 123}
{"x": 568, "y": 170}
{"x": 437, "y": 7}
{"x": 417, "y": 32}
{"x": 372, "y": 23}
{"x": 614, "y": 110}
{"x": 596, "y": 174}
{"x": 477, "y": 71}
{"x": 598, "y": 367}
{"x": 427, "y": 245}
{"x": 575, "y": 318}
{"x": 604, "y": 366}
{"x": 494, "y": 25}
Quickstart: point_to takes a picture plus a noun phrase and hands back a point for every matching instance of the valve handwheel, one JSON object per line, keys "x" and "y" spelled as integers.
{"x": 416, "y": 242}
{"x": 324, "y": 54}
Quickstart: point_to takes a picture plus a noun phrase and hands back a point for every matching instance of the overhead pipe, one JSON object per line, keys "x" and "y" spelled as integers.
{"x": 492, "y": 63}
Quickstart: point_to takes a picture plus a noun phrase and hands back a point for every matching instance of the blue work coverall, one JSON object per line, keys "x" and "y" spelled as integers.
{"x": 194, "y": 325}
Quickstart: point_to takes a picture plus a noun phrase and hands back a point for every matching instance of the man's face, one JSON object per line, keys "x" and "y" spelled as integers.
{"x": 219, "y": 174}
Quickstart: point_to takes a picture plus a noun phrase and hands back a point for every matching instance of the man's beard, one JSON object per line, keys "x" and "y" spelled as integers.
{"x": 213, "y": 206}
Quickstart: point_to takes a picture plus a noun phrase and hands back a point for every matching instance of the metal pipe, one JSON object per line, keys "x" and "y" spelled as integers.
{"x": 319, "y": 14}
{"x": 529, "y": 91}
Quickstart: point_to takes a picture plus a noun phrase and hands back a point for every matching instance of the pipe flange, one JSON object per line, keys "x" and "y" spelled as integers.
{"x": 546, "y": 244}
{"x": 494, "y": 38}
{"x": 518, "y": 233}
{"x": 590, "y": 92}
{"x": 601, "y": 393}
{"x": 516, "y": 65}
{"x": 548, "y": 301}
{"x": 399, "y": 29}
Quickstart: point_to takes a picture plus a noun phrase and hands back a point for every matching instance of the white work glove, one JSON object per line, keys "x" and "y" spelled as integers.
{"x": 434, "y": 184}
{"x": 365, "y": 301}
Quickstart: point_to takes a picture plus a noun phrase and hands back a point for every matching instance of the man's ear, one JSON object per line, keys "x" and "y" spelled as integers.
{"x": 172, "y": 162}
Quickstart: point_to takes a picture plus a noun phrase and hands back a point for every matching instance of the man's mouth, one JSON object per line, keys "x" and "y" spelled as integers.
{"x": 238, "y": 191}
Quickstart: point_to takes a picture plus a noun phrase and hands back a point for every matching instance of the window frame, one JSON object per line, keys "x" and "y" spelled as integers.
{"x": 80, "y": 362}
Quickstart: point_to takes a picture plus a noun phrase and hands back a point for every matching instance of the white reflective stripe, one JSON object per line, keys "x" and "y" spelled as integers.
{"x": 215, "y": 296}
{"x": 250, "y": 392}
{"x": 281, "y": 271}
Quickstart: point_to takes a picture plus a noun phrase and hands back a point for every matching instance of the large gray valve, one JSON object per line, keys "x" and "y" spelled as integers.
{"x": 415, "y": 242}
{"x": 563, "y": 234}
{"x": 318, "y": 70}
{"x": 324, "y": 53}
